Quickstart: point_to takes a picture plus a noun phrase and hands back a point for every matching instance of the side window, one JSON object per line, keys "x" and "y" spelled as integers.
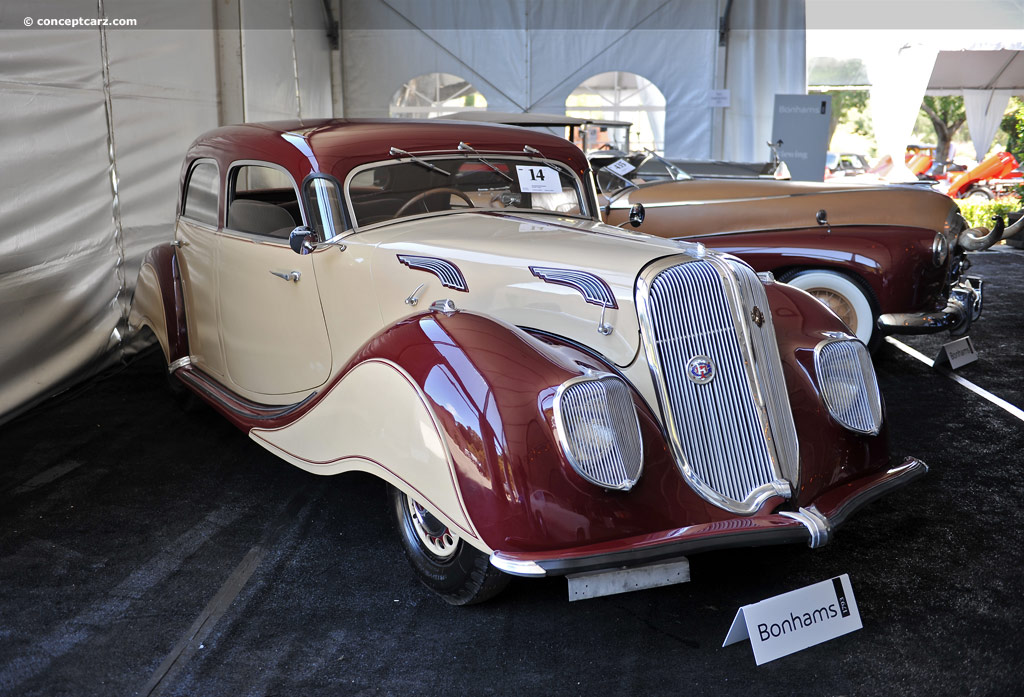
{"x": 325, "y": 207}
{"x": 262, "y": 202}
{"x": 201, "y": 194}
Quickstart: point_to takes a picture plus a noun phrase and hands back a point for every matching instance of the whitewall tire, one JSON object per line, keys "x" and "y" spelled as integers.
{"x": 840, "y": 294}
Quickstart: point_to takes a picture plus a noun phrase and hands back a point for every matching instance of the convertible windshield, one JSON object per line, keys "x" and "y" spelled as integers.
{"x": 615, "y": 171}
{"x": 415, "y": 184}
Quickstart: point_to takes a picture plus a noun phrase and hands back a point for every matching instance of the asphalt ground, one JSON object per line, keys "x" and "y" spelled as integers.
{"x": 146, "y": 550}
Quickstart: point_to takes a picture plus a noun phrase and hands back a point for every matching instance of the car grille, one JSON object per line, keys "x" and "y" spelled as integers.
{"x": 733, "y": 436}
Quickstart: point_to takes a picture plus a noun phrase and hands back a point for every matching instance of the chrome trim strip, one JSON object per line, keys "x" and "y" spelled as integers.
{"x": 747, "y": 199}
{"x": 910, "y": 469}
{"x": 447, "y": 272}
{"x": 516, "y": 567}
{"x": 593, "y": 288}
{"x": 627, "y": 461}
{"x": 739, "y": 449}
{"x": 180, "y": 363}
{"x": 817, "y": 525}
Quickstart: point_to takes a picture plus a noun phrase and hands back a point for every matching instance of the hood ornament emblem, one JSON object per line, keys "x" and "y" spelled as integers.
{"x": 701, "y": 370}
{"x": 757, "y": 316}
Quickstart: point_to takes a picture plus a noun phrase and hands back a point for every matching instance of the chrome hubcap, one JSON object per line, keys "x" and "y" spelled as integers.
{"x": 435, "y": 535}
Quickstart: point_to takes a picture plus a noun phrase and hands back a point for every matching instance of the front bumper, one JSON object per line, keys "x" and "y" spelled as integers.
{"x": 813, "y": 525}
{"x": 964, "y": 306}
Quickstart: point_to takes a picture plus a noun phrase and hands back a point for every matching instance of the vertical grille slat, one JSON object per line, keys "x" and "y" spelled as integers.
{"x": 735, "y": 434}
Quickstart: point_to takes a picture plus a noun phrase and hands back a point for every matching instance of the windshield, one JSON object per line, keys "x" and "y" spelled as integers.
{"x": 617, "y": 172}
{"x": 418, "y": 184}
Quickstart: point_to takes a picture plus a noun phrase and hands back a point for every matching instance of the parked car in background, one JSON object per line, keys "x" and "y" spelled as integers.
{"x": 887, "y": 259}
{"x": 991, "y": 177}
{"x": 845, "y": 164}
{"x": 441, "y": 306}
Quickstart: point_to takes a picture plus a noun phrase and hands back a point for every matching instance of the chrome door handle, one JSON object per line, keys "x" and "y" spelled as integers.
{"x": 293, "y": 276}
{"x": 179, "y": 243}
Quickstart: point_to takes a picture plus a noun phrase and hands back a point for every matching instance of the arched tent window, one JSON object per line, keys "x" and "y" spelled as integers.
{"x": 619, "y": 96}
{"x": 435, "y": 94}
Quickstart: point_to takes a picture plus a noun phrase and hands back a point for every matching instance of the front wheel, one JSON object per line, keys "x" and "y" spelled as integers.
{"x": 444, "y": 563}
{"x": 842, "y": 295}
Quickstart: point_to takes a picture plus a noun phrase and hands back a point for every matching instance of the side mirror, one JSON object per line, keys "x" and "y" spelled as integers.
{"x": 636, "y": 214}
{"x": 302, "y": 240}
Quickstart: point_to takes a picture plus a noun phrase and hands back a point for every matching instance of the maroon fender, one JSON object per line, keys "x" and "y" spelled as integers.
{"x": 895, "y": 262}
{"x": 164, "y": 262}
{"x": 492, "y": 387}
{"x": 801, "y": 322}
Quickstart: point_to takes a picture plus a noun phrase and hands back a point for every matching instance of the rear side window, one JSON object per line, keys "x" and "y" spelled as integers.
{"x": 201, "y": 194}
{"x": 262, "y": 202}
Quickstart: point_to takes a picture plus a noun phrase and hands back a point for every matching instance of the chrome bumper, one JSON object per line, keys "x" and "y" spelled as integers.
{"x": 964, "y": 306}
{"x": 813, "y": 525}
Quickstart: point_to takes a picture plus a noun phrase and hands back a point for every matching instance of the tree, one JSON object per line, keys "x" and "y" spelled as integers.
{"x": 849, "y": 105}
{"x": 1013, "y": 124}
{"x": 947, "y": 116}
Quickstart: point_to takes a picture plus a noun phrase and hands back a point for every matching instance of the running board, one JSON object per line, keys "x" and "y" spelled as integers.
{"x": 595, "y": 584}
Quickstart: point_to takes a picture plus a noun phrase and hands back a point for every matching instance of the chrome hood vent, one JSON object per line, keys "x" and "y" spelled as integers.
{"x": 709, "y": 340}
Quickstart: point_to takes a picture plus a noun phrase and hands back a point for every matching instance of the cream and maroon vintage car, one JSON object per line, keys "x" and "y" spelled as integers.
{"x": 441, "y": 306}
{"x": 888, "y": 259}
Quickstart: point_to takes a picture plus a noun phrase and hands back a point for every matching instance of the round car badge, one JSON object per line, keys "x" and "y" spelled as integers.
{"x": 700, "y": 369}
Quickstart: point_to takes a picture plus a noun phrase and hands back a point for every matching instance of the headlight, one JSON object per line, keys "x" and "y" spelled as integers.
{"x": 848, "y": 385}
{"x": 940, "y": 249}
{"x": 599, "y": 431}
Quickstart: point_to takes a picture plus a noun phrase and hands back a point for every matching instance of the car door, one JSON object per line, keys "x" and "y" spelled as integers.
{"x": 197, "y": 240}
{"x": 272, "y": 328}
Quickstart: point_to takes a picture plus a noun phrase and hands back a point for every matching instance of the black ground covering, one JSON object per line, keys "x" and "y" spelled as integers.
{"x": 147, "y": 550}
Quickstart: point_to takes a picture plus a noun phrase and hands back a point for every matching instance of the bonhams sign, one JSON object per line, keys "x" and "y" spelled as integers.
{"x": 796, "y": 620}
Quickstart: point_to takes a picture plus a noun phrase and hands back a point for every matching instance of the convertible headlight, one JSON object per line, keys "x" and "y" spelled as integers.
{"x": 599, "y": 431}
{"x": 848, "y": 385}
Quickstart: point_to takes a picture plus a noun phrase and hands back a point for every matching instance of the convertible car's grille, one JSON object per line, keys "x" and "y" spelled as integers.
{"x": 732, "y": 432}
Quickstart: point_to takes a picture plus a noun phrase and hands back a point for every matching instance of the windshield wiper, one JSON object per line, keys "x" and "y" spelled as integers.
{"x": 669, "y": 165}
{"x": 466, "y": 147}
{"x": 395, "y": 152}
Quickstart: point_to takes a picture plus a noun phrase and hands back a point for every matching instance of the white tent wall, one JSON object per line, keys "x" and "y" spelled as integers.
{"x": 95, "y": 125}
{"x": 529, "y": 55}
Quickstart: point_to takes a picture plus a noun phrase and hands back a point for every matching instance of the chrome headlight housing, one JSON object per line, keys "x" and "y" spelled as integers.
{"x": 848, "y": 384}
{"x": 599, "y": 430}
{"x": 940, "y": 249}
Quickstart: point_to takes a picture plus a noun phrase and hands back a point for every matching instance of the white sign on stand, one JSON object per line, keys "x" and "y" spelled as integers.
{"x": 957, "y": 353}
{"x": 797, "y": 620}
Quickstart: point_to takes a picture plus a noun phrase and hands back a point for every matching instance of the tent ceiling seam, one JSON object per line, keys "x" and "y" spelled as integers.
{"x": 295, "y": 60}
{"x": 446, "y": 50}
{"x": 600, "y": 53}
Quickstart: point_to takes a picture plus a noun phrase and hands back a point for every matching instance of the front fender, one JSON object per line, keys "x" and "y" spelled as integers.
{"x": 830, "y": 455}
{"x": 457, "y": 411}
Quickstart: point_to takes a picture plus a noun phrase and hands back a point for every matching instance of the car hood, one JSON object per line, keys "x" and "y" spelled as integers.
{"x": 496, "y": 254}
{"x": 694, "y": 208}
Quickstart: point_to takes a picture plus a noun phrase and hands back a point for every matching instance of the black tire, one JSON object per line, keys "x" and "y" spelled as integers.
{"x": 979, "y": 192}
{"x": 457, "y": 572}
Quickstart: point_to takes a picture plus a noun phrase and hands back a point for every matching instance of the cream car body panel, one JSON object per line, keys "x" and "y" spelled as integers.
{"x": 488, "y": 249}
{"x": 377, "y": 420}
{"x": 197, "y": 260}
{"x": 272, "y": 328}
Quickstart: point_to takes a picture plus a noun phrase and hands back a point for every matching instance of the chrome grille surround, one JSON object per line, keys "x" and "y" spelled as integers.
{"x": 596, "y": 407}
{"x": 733, "y": 438}
{"x": 846, "y": 362}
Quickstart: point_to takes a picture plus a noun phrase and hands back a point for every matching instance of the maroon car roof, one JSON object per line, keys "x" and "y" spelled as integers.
{"x": 335, "y": 146}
